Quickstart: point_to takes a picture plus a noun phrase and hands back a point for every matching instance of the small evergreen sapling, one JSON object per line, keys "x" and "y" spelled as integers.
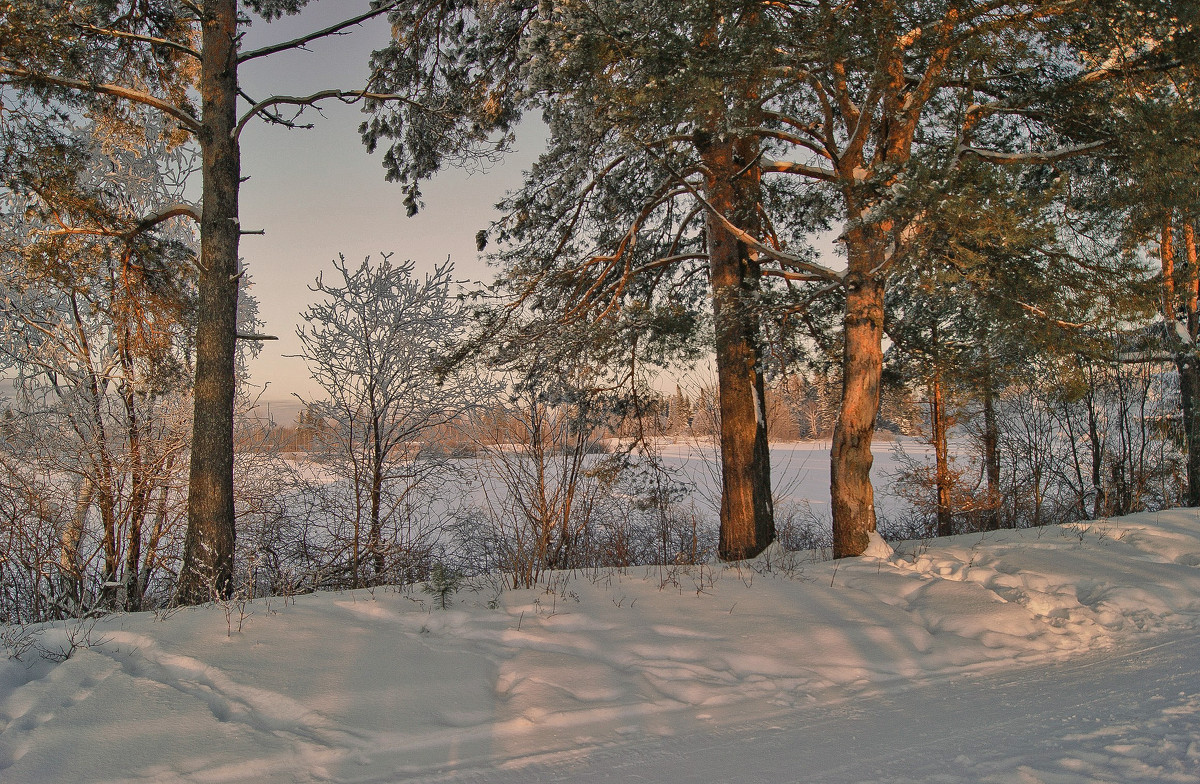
{"x": 442, "y": 584}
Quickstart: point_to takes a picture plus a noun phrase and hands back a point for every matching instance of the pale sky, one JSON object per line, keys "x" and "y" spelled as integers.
{"x": 317, "y": 192}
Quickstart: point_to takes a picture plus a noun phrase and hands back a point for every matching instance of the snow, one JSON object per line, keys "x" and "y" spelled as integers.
{"x": 1058, "y": 655}
{"x": 799, "y": 471}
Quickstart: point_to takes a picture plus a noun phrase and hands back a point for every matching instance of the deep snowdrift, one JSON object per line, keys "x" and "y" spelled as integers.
{"x": 520, "y": 685}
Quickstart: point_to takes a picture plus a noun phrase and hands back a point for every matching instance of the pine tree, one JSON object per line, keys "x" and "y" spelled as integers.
{"x": 688, "y": 138}
{"x": 157, "y": 54}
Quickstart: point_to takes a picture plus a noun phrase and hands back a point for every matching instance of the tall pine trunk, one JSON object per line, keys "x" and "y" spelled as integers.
{"x": 991, "y": 447}
{"x": 207, "y": 571}
{"x": 1189, "y": 370}
{"x": 733, "y": 189}
{"x": 941, "y": 451}
{"x": 851, "y": 494}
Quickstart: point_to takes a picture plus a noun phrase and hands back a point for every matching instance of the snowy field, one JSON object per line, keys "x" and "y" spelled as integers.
{"x": 1055, "y": 655}
{"x": 799, "y": 471}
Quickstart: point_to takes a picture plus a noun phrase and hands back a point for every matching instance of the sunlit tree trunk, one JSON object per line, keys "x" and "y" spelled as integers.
{"x": 70, "y": 561}
{"x": 207, "y": 571}
{"x": 991, "y": 447}
{"x": 851, "y": 494}
{"x": 1189, "y": 367}
{"x": 139, "y": 479}
{"x": 941, "y": 452}
{"x": 733, "y": 189}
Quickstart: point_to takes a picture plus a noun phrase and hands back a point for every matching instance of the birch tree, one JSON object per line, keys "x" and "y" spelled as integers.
{"x": 379, "y": 344}
{"x": 95, "y": 331}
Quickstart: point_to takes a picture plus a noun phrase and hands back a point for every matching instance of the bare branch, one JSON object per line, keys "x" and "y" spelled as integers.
{"x": 1044, "y": 316}
{"x": 796, "y": 276}
{"x": 345, "y": 96}
{"x": 176, "y": 210}
{"x": 335, "y": 29}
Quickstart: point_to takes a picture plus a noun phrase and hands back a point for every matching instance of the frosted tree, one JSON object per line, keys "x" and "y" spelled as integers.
{"x": 380, "y": 344}
{"x": 94, "y": 327}
{"x": 179, "y": 59}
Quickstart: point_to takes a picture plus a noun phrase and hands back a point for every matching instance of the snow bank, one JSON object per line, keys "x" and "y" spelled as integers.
{"x": 380, "y": 686}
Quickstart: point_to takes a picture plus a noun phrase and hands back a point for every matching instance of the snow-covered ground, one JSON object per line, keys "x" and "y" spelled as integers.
{"x": 1054, "y": 655}
{"x": 799, "y": 471}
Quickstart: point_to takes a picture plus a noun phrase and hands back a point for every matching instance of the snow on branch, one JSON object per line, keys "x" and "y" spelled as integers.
{"x": 176, "y": 210}
{"x": 1034, "y": 158}
{"x": 791, "y": 167}
{"x": 118, "y": 91}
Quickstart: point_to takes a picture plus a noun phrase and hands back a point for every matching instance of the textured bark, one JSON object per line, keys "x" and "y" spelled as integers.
{"x": 941, "y": 451}
{"x": 1184, "y": 350}
{"x": 1189, "y": 370}
{"x": 375, "y": 538}
{"x": 70, "y": 562}
{"x": 207, "y": 571}
{"x": 991, "y": 448}
{"x": 852, "y": 497}
{"x": 1189, "y": 392}
{"x": 747, "y": 514}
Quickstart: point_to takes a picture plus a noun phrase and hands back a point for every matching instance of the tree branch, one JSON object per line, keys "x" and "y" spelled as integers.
{"x": 149, "y": 39}
{"x": 117, "y": 91}
{"x": 345, "y": 96}
{"x": 1033, "y": 158}
{"x": 790, "y": 167}
{"x": 335, "y": 29}
{"x": 796, "y": 262}
{"x": 176, "y": 210}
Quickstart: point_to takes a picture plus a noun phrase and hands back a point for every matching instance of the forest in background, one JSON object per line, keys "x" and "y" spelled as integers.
{"x": 1013, "y": 186}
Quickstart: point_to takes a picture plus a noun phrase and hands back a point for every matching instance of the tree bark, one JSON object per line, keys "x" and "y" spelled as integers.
{"x": 1166, "y": 253}
{"x": 375, "y": 537}
{"x": 1189, "y": 370}
{"x": 941, "y": 452}
{"x": 1189, "y": 393}
{"x": 991, "y": 448}
{"x": 139, "y": 481}
{"x": 851, "y": 494}
{"x": 207, "y": 571}
{"x": 733, "y": 189}
{"x": 70, "y": 566}
{"x": 1101, "y": 506}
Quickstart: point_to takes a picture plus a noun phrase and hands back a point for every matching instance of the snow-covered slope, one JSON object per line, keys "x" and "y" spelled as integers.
{"x": 957, "y": 658}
